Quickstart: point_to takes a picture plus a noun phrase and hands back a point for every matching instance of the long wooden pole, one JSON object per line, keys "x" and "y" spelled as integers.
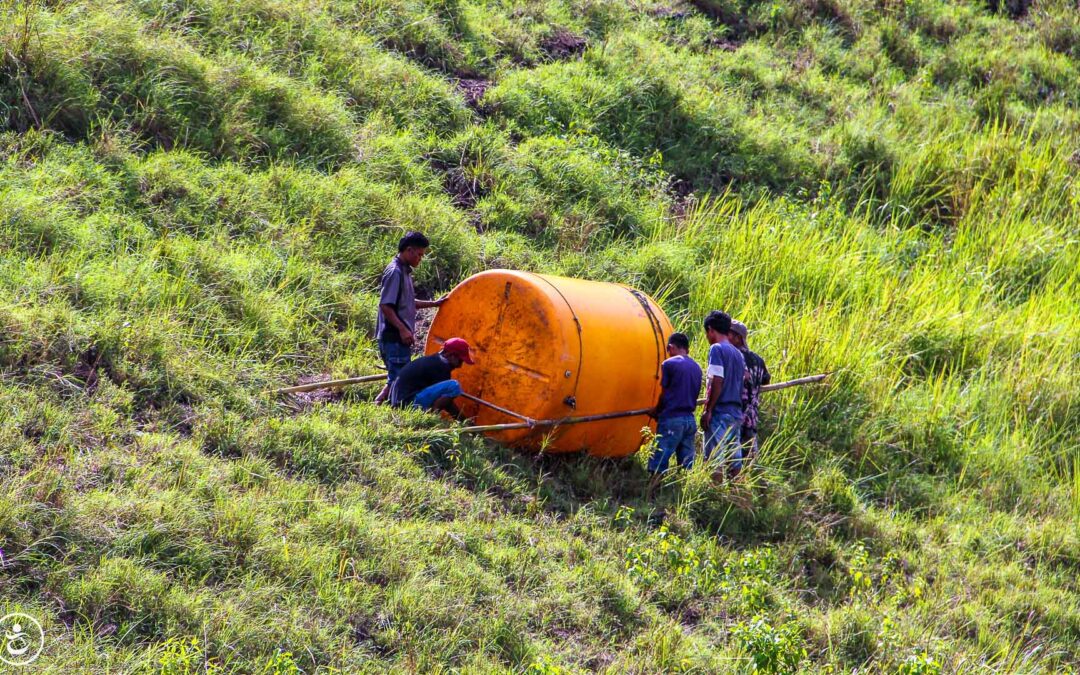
{"x": 559, "y": 422}
{"x": 511, "y": 426}
{"x": 530, "y": 423}
{"x": 489, "y": 404}
{"x": 331, "y": 384}
{"x": 809, "y": 379}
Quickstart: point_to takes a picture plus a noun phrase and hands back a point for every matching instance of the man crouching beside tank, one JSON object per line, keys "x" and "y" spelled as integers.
{"x": 426, "y": 382}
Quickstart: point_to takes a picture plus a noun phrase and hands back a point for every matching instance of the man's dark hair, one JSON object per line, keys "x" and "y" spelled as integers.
{"x": 413, "y": 239}
{"x": 718, "y": 321}
{"x": 679, "y": 341}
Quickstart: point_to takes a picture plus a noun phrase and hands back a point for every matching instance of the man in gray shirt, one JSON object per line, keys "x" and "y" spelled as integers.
{"x": 396, "y": 323}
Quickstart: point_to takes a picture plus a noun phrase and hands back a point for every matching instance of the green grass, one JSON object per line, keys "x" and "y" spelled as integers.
{"x": 197, "y": 198}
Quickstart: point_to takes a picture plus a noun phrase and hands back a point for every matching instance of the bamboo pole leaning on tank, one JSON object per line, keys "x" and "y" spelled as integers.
{"x": 511, "y": 426}
{"x": 505, "y": 411}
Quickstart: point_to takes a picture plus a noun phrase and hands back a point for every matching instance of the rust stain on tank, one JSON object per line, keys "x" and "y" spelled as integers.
{"x": 517, "y": 367}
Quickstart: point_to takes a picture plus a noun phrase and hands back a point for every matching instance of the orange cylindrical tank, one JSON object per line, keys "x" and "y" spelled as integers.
{"x": 550, "y": 347}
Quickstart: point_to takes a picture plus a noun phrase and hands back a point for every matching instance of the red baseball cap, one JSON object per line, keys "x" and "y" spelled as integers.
{"x": 459, "y": 348}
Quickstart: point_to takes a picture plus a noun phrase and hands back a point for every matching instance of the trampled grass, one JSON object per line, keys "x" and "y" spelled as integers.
{"x": 197, "y": 197}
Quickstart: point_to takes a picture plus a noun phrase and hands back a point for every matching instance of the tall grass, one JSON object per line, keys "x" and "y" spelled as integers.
{"x": 197, "y": 198}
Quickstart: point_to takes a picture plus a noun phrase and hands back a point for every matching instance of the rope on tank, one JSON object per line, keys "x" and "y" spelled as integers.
{"x": 654, "y": 323}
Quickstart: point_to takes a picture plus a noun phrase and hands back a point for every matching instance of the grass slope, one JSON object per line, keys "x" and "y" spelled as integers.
{"x": 197, "y": 196}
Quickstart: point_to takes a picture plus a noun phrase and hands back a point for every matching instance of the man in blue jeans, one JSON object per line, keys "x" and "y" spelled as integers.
{"x": 396, "y": 320}
{"x": 426, "y": 382}
{"x": 723, "y": 415}
{"x": 676, "y": 431}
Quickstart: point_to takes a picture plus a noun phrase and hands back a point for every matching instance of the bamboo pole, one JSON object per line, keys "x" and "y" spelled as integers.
{"x": 331, "y": 384}
{"x": 531, "y": 423}
{"x": 809, "y": 379}
{"x": 559, "y": 422}
{"x": 511, "y": 426}
{"x": 505, "y": 411}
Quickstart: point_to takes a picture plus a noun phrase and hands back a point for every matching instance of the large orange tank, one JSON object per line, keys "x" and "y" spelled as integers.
{"x": 549, "y": 347}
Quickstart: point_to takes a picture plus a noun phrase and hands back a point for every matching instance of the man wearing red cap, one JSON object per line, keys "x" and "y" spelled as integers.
{"x": 426, "y": 383}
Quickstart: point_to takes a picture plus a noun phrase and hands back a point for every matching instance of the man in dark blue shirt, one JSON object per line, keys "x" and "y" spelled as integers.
{"x": 723, "y": 415}
{"x": 680, "y": 382}
{"x": 427, "y": 382}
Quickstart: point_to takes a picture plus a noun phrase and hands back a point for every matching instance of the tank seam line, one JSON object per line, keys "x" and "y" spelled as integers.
{"x": 654, "y": 323}
{"x": 577, "y": 324}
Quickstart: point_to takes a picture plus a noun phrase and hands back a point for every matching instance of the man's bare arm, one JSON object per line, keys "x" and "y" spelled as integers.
{"x": 716, "y": 385}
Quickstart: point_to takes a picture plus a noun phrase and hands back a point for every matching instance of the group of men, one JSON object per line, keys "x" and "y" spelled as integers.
{"x": 734, "y": 375}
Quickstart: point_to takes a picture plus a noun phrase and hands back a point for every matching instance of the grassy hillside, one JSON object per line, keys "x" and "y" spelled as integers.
{"x": 197, "y": 197}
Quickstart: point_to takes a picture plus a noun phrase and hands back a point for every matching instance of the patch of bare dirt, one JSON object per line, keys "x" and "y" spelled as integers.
{"x": 464, "y": 193}
{"x": 690, "y": 615}
{"x": 86, "y": 369}
{"x": 307, "y": 398}
{"x": 473, "y": 88}
{"x": 562, "y": 44}
{"x": 424, "y": 318}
